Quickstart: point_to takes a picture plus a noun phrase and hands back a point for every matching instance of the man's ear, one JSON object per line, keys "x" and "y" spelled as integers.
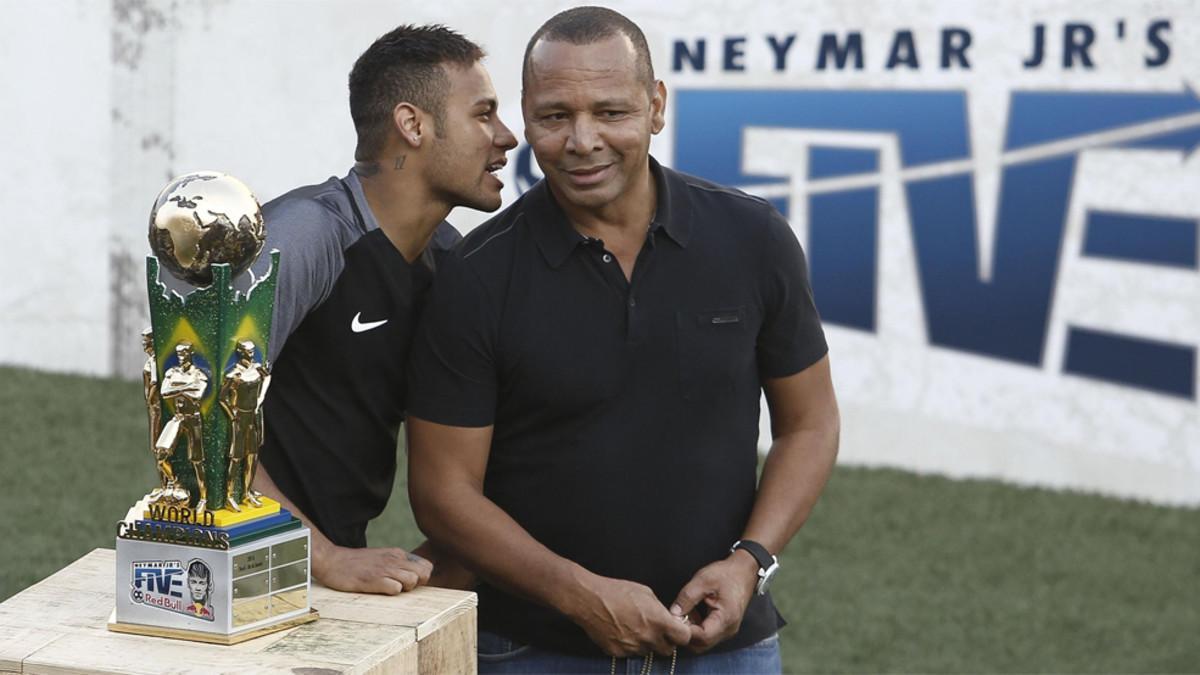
{"x": 658, "y": 107}
{"x": 409, "y": 122}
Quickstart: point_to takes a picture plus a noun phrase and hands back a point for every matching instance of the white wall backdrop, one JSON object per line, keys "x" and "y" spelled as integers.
{"x": 105, "y": 101}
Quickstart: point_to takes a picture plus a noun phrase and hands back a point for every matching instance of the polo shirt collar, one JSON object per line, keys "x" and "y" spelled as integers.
{"x": 674, "y": 211}
{"x": 557, "y": 238}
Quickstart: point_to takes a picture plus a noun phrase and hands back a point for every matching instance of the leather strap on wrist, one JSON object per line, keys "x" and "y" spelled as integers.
{"x": 760, "y": 552}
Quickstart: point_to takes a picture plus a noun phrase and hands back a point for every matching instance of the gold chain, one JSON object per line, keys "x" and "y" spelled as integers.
{"x": 649, "y": 663}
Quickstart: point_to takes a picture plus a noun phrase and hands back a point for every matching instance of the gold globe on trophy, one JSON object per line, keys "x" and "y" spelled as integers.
{"x": 206, "y": 218}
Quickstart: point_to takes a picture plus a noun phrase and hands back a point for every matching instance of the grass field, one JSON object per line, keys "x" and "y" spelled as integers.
{"x": 894, "y": 572}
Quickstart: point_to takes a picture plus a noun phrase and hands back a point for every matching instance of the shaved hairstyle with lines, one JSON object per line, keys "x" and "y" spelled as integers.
{"x": 406, "y": 65}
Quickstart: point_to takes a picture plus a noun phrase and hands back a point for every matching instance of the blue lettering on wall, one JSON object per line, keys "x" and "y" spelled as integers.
{"x": 735, "y": 50}
{"x": 1161, "y": 367}
{"x": 1041, "y": 117}
{"x": 1162, "y": 50}
{"x": 693, "y": 55}
{"x": 840, "y": 53}
{"x": 779, "y": 48}
{"x": 826, "y": 162}
{"x": 931, "y": 126}
{"x": 1004, "y": 317}
{"x": 1077, "y": 41}
{"x": 842, "y": 253}
{"x": 1007, "y": 316}
{"x": 1154, "y": 240}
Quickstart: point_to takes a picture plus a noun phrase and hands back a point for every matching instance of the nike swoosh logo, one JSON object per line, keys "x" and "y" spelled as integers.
{"x": 360, "y": 327}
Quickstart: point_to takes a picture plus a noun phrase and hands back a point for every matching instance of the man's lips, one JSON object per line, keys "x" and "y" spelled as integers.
{"x": 493, "y": 167}
{"x": 589, "y": 175}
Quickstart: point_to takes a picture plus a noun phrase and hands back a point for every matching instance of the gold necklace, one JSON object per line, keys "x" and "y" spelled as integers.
{"x": 649, "y": 663}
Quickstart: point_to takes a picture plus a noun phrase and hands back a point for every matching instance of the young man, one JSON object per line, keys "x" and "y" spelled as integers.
{"x": 584, "y": 393}
{"x": 358, "y": 255}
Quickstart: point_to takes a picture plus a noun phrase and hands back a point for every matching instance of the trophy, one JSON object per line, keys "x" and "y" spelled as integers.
{"x": 203, "y": 556}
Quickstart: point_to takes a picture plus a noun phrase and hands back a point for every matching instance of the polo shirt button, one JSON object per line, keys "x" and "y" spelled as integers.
{"x": 607, "y": 258}
{"x": 632, "y": 302}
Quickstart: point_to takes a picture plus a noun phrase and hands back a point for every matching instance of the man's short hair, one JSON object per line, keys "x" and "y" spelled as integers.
{"x": 198, "y": 570}
{"x": 589, "y": 25}
{"x": 404, "y": 66}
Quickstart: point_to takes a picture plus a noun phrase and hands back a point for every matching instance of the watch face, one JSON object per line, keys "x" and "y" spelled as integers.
{"x": 765, "y": 577}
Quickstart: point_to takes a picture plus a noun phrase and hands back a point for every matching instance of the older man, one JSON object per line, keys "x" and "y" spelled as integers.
{"x": 584, "y": 394}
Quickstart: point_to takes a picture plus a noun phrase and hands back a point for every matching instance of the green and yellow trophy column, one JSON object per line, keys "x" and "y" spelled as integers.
{"x": 214, "y": 320}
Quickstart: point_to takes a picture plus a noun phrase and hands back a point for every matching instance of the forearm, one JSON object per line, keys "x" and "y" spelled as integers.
{"x": 797, "y": 468}
{"x": 799, "y": 463}
{"x": 321, "y": 545}
{"x": 448, "y": 571}
{"x": 461, "y": 520}
{"x": 359, "y": 570}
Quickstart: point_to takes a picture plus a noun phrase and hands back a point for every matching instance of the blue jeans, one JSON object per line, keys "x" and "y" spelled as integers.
{"x": 498, "y": 654}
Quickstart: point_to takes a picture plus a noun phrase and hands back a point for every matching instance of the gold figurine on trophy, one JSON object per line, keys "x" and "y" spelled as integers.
{"x": 153, "y": 401}
{"x": 183, "y": 386}
{"x": 241, "y": 397}
{"x": 168, "y": 490}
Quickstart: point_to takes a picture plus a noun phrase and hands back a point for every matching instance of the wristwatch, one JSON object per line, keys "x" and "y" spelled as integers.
{"x": 768, "y": 564}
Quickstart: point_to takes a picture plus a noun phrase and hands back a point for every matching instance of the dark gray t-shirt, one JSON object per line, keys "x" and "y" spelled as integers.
{"x": 345, "y": 311}
{"x": 311, "y": 226}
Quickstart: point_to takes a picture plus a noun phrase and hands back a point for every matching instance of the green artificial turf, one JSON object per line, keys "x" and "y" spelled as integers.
{"x": 894, "y": 572}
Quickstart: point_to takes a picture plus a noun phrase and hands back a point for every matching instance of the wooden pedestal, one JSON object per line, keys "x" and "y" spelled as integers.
{"x": 59, "y": 626}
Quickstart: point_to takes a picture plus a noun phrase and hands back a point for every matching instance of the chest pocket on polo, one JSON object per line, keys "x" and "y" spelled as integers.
{"x": 714, "y": 346}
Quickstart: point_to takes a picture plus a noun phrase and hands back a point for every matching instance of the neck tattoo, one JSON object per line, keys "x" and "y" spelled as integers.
{"x": 367, "y": 169}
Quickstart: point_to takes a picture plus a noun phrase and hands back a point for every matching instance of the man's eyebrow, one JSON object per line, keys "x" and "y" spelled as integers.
{"x": 489, "y": 103}
{"x": 550, "y": 105}
{"x": 613, "y": 103}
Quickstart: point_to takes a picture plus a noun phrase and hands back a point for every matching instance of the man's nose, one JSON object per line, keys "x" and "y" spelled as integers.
{"x": 584, "y": 137}
{"x": 504, "y": 136}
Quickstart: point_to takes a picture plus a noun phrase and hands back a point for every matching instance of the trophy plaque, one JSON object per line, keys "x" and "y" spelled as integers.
{"x": 203, "y": 556}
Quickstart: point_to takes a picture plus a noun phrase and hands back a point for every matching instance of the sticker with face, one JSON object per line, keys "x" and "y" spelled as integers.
{"x": 168, "y": 585}
{"x": 198, "y": 580}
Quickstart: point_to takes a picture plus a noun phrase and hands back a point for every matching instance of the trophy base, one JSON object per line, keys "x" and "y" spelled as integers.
{"x": 211, "y": 638}
{"x": 213, "y": 584}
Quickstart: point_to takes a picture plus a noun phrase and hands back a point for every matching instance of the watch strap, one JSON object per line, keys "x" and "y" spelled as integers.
{"x": 761, "y": 555}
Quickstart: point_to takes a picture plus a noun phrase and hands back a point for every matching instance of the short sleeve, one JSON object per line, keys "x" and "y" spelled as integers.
{"x": 791, "y": 338}
{"x": 310, "y": 260}
{"x": 451, "y": 371}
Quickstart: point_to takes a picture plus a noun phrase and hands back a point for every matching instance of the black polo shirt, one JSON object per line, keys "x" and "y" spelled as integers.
{"x": 625, "y": 413}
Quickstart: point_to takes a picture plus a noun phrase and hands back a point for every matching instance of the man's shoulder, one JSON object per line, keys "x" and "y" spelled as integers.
{"x": 734, "y": 217}
{"x": 315, "y": 197}
{"x": 311, "y": 214}
{"x": 490, "y": 246}
{"x": 483, "y": 262}
{"x": 706, "y": 194}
